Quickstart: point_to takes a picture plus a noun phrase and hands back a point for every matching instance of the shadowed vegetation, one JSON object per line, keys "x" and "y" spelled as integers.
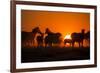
{"x": 41, "y": 54}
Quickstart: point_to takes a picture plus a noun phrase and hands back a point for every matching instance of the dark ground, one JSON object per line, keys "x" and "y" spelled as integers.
{"x": 41, "y": 54}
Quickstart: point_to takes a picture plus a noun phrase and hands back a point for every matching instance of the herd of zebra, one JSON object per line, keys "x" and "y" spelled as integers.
{"x": 49, "y": 38}
{"x": 79, "y": 38}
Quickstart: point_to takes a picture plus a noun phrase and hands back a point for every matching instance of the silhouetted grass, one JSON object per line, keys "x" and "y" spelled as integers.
{"x": 41, "y": 54}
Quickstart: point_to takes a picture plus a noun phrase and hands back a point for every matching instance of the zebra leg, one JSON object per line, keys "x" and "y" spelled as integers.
{"x": 31, "y": 43}
{"x": 25, "y": 43}
{"x": 70, "y": 44}
{"x": 64, "y": 44}
{"x": 82, "y": 43}
{"x": 28, "y": 43}
{"x": 50, "y": 44}
{"x": 45, "y": 44}
{"x": 79, "y": 44}
{"x": 73, "y": 44}
{"x": 38, "y": 45}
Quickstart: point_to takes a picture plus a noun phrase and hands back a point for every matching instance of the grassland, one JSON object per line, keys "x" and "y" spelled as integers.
{"x": 41, "y": 54}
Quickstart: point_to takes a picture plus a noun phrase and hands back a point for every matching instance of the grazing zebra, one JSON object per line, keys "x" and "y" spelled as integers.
{"x": 40, "y": 39}
{"x": 52, "y": 38}
{"x": 78, "y": 37}
{"x": 27, "y": 38}
{"x": 68, "y": 41}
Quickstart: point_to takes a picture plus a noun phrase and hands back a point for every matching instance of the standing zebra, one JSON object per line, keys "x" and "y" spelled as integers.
{"x": 40, "y": 39}
{"x": 78, "y": 37}
{"x": 52, "y": 38}
{"x": 68, "y": 41}
{"x": 87, "y": 38}
{"x": 27, "y": 38}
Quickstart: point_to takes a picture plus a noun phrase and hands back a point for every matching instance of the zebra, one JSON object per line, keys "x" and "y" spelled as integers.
{"x": 27, "y": 38}
{"x": 68, "y": 41}
{"x": 52, "y": 38}
{"x": 78, "y": 37}
{"x": 40, "y": 39}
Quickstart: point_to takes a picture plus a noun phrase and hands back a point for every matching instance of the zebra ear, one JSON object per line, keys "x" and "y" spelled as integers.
{"x": 36, "y": 28}
{"x": 83, "y": 30}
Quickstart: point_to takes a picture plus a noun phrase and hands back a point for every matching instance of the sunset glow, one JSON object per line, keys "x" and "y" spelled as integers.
{"x": 67, "y": 37}
{"x": 64, "y": 23}
{"x": 54, "y": 35}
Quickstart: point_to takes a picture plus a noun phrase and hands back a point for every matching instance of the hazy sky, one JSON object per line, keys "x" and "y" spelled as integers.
{"x": 63, "y": 22}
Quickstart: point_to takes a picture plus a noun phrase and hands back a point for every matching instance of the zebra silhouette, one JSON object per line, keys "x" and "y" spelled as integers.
{"x": 78, "y": 37}
{"x": 52, "y": 38}
{"x": 27, "y": 38}
{"x": 40, "y": 39}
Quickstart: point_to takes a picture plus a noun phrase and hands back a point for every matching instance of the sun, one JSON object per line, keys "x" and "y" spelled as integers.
{"x": 68, "y": 36}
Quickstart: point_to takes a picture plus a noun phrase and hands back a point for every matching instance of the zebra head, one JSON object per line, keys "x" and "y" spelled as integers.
{"x": 36, "y": 30}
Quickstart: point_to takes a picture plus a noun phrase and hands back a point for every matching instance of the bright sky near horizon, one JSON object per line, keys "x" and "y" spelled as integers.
{"x": 62, "y": 22}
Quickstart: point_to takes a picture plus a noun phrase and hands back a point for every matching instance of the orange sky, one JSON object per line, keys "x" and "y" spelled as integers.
{"x": 63, "y": 22}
